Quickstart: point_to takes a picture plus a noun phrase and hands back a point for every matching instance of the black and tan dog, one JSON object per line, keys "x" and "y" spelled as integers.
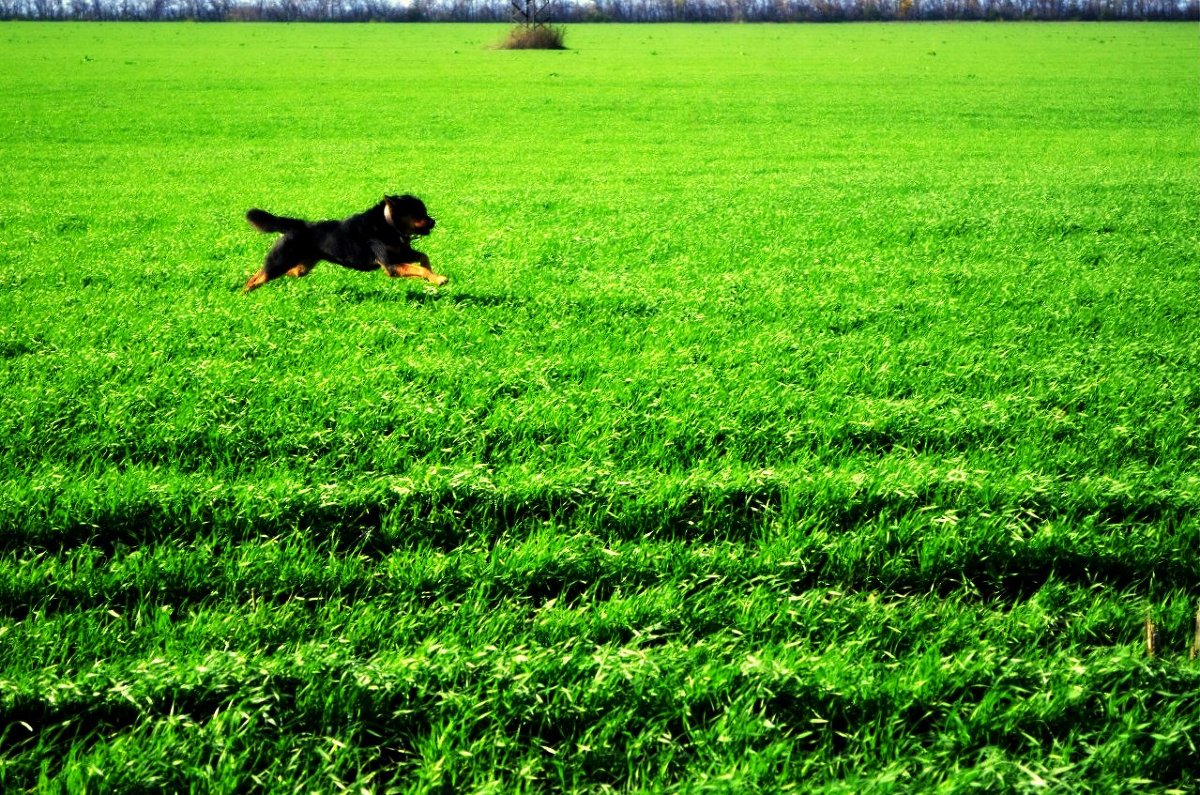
{"x": 378, "y": 238}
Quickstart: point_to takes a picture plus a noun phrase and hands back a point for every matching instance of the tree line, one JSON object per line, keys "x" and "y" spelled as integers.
{"x": 599, "y": 10}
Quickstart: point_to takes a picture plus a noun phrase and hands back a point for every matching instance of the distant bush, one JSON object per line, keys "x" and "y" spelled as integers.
{"x": 535, "y": 37}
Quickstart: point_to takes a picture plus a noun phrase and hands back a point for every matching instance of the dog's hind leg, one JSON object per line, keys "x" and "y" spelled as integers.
{"x": 281, "y": 259}
{"x": 255, "y": 281}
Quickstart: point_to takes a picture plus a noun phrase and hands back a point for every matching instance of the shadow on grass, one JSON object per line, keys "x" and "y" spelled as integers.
{"x": 427, "y": 297}
{"x": 597, "y": 307}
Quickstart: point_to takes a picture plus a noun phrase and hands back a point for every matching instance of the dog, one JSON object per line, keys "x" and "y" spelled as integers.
{"x": 380, "y": 237}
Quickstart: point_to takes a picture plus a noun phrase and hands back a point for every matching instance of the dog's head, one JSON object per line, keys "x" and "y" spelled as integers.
{"x": 408, "y": 215}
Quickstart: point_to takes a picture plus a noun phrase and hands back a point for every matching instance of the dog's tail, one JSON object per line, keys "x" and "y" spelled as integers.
{"x": 263, "y": 221}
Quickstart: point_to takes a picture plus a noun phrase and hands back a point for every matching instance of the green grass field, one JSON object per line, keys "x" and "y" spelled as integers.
{"x": 811, "y": 408}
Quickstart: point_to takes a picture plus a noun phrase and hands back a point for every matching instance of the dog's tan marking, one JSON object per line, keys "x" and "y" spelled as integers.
{"x": 300, "y": 270}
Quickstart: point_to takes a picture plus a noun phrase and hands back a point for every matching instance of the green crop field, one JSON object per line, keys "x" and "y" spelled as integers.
{"x": 811, "y": 408}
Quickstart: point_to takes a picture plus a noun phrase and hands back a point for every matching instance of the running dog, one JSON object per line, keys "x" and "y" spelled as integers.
{"x": 377, "y": 238}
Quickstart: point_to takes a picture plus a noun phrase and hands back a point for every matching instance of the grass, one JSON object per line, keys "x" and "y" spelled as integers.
{"x": 811, "y": 408}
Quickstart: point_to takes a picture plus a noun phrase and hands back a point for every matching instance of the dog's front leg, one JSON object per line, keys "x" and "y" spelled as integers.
{"x": 414, "y": 270}
{"x": 380, "y": 250}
